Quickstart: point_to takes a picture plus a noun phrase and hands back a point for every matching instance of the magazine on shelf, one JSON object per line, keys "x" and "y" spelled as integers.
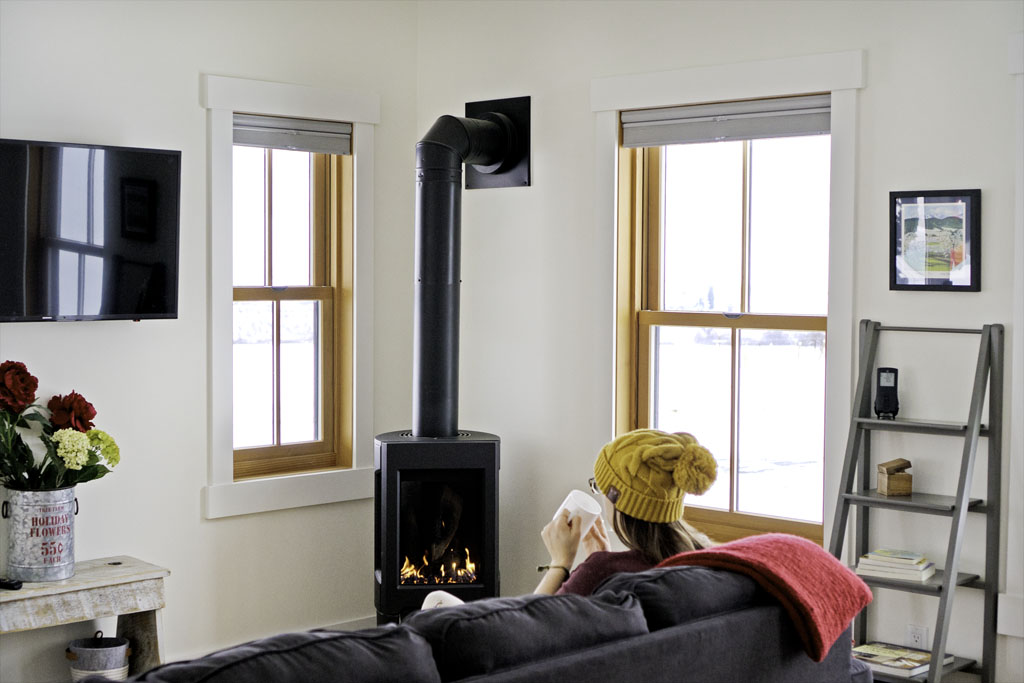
{"x": 895, "y": 556}
{"x": 896, "y": 660}
{"x": 905, "y": 575}
{"x": 868, "y": 561}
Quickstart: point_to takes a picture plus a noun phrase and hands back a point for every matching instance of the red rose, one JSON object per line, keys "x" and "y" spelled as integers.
{"x": 71, "y": 411}
{"x": 17, "y": 386}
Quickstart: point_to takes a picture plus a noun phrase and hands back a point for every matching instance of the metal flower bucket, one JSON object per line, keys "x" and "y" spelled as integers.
{"x": 99, "y": 656}
{"x": 41, "y": 534}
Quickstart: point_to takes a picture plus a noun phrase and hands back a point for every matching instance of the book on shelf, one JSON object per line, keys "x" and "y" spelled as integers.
{"x": 903, "y": 574}
{"x": 896, "y": 660}
{"x": 893, "y": 556}
{"x": 868, "y": 561}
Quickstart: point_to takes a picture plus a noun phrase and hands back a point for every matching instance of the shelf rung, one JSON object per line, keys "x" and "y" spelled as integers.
{"x": 925, "y": 503}
{"x": 949, "y": 330}
{"x": 939, "y": 427}
{"x": 932, "y": 586}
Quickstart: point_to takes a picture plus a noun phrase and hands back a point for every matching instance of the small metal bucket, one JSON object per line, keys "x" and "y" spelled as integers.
{"x": 41, "y": 537}
{"x": 98, "y": 655}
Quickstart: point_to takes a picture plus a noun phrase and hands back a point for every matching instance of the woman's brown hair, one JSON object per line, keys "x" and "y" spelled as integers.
{"x": 658, "y": 541}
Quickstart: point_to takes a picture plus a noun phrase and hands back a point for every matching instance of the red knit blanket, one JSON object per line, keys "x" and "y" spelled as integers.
{"x": 820, "y": 594}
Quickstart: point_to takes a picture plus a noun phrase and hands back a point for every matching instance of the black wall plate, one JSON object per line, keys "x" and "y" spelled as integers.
{"x": 517, "y": 109}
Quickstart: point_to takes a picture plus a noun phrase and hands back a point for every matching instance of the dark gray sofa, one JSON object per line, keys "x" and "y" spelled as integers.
{"x": 673, "y": 624}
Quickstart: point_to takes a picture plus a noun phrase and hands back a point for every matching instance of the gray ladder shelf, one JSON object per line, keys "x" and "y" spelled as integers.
{"x": 857, "y": 470}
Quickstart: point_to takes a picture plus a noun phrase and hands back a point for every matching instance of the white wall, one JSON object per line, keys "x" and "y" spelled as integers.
{"x": 536, "y": 317}
{"x": 127, "y": 73}
{"x": 937, "y": 113}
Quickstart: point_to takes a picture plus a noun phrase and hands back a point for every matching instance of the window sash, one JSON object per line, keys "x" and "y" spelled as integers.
{"x": 639, "y": 311}
{"x": 647, "y": 321}
{"x": 332, "y": 206}
{"x": 310, "y": 293}
{"x": 735, "y": 321}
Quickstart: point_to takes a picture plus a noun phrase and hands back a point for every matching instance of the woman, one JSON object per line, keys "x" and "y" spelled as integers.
{"x": 643, "y": 475}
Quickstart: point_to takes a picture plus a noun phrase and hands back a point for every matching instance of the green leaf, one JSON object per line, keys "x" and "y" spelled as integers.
{"x": 25, "y": 418}
{"x": 53, "y": 470}
{"x": 49, "y": 479}
{"x": 22, "y": 457}
{"x": 87, "y": 473}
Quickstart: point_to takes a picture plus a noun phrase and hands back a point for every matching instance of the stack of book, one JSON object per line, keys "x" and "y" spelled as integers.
{"x": 895, "y": 660}
{"x": 886, "y": 563}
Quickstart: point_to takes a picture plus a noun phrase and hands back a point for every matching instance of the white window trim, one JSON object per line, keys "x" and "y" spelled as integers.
{"x": 223, "y": 96}
{"x": 838, "y": 73}
{"x": 1011, "y": 602}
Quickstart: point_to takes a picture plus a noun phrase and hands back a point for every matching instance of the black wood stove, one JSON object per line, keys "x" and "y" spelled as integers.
{"x": 436, "y": 487}
{"x": 436, "y": 522}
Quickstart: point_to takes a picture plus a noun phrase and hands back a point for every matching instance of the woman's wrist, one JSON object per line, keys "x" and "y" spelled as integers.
{"x": 556, "y": 567}
{"x": 562, "y": 560}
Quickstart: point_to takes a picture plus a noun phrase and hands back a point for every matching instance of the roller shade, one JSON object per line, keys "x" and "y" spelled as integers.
{"x": 780, "y": 117}
{"x": 279, "y": 132}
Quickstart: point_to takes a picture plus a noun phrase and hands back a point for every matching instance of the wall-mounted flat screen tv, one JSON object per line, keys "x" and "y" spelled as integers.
{"x": 88, "y": 232}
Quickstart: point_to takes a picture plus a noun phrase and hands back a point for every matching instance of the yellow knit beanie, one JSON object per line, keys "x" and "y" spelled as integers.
{"x": 645, "y": 473}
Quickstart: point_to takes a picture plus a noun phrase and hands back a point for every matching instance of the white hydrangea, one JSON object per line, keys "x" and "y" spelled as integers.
{"x": 72, "y": 447}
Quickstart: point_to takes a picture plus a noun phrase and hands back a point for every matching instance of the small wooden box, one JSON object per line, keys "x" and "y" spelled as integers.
{"x": 893, "y": 480}
{"x": 895, "y": 484}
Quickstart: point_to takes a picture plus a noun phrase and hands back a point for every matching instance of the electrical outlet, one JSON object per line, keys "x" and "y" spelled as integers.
{"x": 917, "y": 636}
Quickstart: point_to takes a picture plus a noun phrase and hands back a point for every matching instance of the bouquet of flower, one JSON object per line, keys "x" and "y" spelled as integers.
{"x": 69, "y": 451}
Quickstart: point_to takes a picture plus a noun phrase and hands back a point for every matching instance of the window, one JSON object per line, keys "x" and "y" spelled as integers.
{"x": 291, "y": 270}
{"x": 295, "y": 480}
{"x": 723, "y": 299}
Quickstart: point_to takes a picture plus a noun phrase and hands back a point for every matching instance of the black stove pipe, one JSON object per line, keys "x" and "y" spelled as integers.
{"x": 488, "y": 142}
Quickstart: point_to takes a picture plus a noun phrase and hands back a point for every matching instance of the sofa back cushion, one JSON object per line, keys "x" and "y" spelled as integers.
{"x": 372, "y": 656}
{"x": 675, "y": 595}
{"x": 754, "y": 644}
{"x": 490, "y": 635}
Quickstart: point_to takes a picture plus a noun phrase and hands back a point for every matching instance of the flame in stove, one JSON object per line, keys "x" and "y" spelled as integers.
{"x": 452, "y": 569}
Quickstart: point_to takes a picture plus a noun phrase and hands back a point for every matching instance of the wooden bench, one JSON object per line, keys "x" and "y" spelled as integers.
{"x": 122, "y": 587}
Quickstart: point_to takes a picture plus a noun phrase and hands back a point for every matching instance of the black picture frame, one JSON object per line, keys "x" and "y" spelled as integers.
{"x": 947, "y": 256}
{"x": 138, "y": 209}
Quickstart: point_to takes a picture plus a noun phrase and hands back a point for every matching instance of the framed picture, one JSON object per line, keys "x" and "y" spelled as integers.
{"x": 935, "y": 240}
{"x": 138, "y": 209}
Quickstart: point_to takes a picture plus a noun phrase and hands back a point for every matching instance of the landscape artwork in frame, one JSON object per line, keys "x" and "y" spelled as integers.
{"x": 935, "y": 240}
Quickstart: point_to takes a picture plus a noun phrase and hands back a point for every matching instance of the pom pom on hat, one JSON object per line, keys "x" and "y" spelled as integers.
{"x": 645, "y": 473}
{"x": 696, "y": 469}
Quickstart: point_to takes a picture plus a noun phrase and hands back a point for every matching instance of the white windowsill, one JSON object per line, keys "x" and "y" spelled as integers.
{"x": 291, "y": 491}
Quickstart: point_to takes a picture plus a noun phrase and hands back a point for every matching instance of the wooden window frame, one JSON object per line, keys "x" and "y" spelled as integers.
{"x": 332, "y": 245}
{"x": 638, "y": 310}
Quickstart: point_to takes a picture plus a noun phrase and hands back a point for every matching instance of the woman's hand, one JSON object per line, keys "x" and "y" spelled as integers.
{"x": 597, "y": 538}
{"x": 562, "y": 538}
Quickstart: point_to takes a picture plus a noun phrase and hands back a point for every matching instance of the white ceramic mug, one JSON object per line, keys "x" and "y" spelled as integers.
{"x": 582, "y": 505}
